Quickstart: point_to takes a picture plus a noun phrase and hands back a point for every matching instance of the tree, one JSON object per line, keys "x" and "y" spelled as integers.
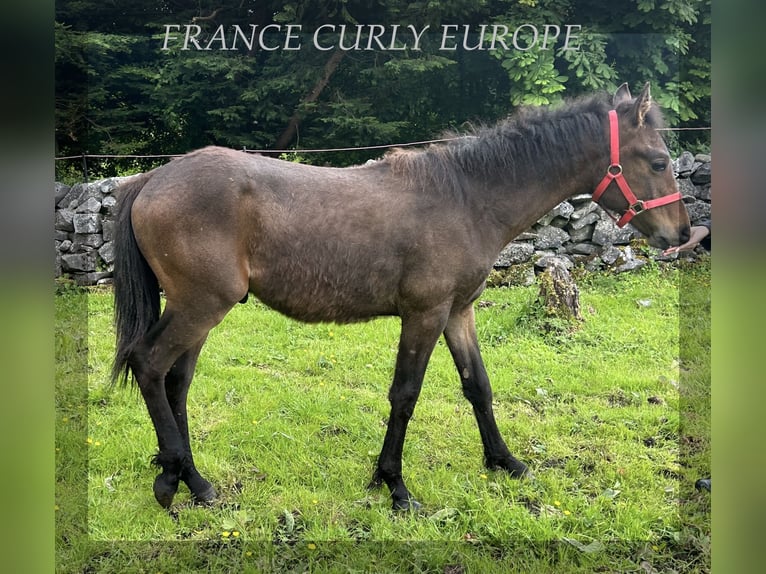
{"x": 118, "y": 91}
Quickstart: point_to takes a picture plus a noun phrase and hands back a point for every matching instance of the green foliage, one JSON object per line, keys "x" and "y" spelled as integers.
{"x": 117, "y": 92}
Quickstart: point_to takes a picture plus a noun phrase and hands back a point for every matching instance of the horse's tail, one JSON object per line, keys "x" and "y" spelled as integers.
{"x": 136, "y": 289}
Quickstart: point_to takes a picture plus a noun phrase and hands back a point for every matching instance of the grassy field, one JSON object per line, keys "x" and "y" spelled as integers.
{"x": 287, "y": 421}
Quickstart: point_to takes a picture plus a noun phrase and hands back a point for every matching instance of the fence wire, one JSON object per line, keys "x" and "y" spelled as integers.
{"x": 86, "y": 156}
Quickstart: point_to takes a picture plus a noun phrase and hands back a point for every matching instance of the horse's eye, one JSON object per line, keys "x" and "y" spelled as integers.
{"x": 659, "y": 165}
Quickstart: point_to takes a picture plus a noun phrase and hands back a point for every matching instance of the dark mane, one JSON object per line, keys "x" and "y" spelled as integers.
{"x": 532, "y": 142}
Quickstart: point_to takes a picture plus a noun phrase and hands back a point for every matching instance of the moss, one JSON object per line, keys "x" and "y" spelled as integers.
{"x": 514, "y": 276}
{"x": 559, "y": 294}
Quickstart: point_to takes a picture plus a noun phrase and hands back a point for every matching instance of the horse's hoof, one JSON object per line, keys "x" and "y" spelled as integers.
{"x": 406, "y": 505}
{"x": 515, "y": 468}
{"x": 207, "y": 496}
{"x": 164, "y": 490}
{"x": 375, "y": 483}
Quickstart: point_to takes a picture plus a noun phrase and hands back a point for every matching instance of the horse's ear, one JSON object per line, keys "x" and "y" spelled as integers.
{"x": 621, "y": 95}
{"x": 643, "y": 105}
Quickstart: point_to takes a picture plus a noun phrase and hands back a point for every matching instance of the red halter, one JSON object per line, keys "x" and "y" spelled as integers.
{"x": 614, "y": 173}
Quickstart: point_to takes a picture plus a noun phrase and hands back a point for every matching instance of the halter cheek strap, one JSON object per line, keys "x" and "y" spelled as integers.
{"x": 614, "y": 173}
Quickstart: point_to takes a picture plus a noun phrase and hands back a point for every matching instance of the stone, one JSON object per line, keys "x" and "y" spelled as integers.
{"x": 607, "y": 233}
{"x": 587, "y": 219}
{"x": 82, "y": 262}
{"x": 593, "y": 264}
{"x": 86, "y": 223}
{"x": 581, "y": 234}
{"x": 107, "y": 229}
{"x": 522, "y": 275}
{"x": 686, "y": 187}
{"x": 584, "y": 210}
{"x": 703, "y": 192}
{"x": 610, "y": 254}
{"x": 60, "y": 190}
{"x": 83, "y": 241}
{"x": 550, "y": 237}
{"x": 581, "y": 198}
{"x": 64, "y": 220}
{"x": 684, "y": 164}
{"x": 90, "y": 205}
{"x": 71, "y": 196}
{"x": 629, "y": 265}
{"x": 108, "y": 204}
{"x": 91, "y": 191}
{"x": 582, "y": 248}
{"x": 107, "y": 252}
{"x": 563, "y": 210}
{"x": 91, "y": 277}
{"x": 701, "y": 175}
{"x": 697, "y": 211}
{"x": 553, "y": 260}
{"x": 108, "y": 186}
{"x": 559, "y": 222}
{"x": 514, "y": 253}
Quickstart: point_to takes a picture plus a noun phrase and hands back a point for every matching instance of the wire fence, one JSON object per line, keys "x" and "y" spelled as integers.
{"x": 87, "y": 156}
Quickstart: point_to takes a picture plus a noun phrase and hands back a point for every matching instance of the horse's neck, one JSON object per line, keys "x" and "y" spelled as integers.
{"x": 516, "y": 207}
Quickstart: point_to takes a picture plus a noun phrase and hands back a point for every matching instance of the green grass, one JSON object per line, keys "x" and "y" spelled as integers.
{"x": 287, "y": 421}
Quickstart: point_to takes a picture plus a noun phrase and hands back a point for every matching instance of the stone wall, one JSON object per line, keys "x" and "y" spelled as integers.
{"x": 576, "y": 231}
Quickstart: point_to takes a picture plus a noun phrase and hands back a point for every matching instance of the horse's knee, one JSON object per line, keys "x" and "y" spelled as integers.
{"x": 403, "y": 400}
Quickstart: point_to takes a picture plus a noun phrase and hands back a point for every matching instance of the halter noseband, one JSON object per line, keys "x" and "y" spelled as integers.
{"x": 614, "y": 173}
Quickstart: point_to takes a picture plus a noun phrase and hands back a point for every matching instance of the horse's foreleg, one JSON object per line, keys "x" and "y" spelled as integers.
{"x": 418, "y": 338}
{"x": 177, "y": 384}
{"x": 460, "y": 335}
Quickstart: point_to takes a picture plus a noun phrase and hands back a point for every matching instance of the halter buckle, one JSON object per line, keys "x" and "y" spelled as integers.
{"x": 637, "y": 207}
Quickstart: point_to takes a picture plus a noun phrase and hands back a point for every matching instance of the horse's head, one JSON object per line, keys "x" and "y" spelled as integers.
{"x": 639, "y": 184}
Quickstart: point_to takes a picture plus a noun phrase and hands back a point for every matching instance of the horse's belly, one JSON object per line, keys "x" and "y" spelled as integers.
{"x": 316, "y": 295}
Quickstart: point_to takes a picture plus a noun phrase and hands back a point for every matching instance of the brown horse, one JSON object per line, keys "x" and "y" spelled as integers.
{"x": 413, "y": 235}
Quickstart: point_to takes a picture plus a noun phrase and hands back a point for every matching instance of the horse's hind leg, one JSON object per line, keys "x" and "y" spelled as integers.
{"x": 174, "y": 335}
{"x": 177, "y": 383}
{"x": 460, "y": 335}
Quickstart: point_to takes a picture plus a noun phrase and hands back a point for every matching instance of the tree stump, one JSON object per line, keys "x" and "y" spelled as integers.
{"x": 559, "y": 295}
